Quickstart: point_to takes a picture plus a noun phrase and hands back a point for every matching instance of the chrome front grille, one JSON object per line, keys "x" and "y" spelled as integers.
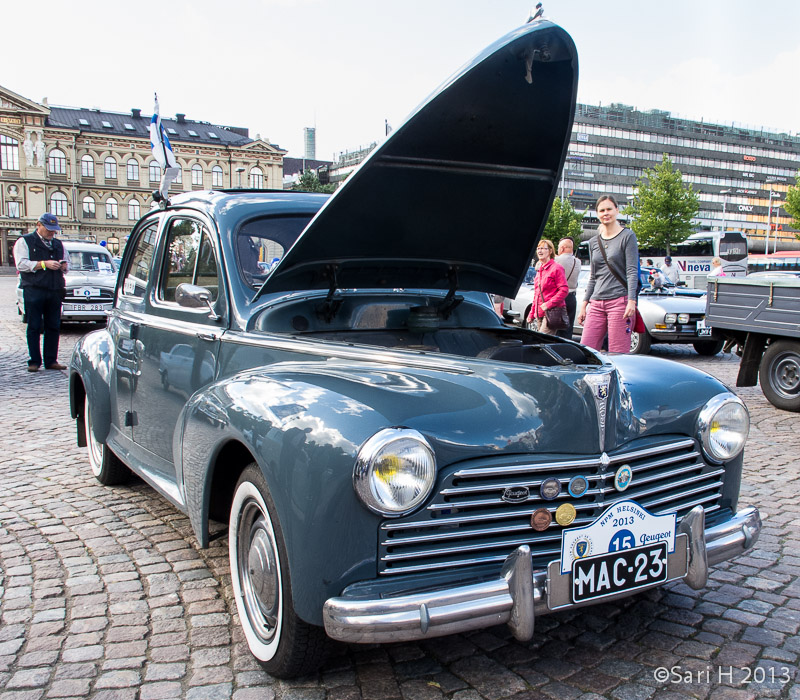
{"x": 469, "y": 524}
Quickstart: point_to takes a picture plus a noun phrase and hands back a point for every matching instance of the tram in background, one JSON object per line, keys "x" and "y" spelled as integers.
{"x": 782, "y": 261}
{"x": 694, "y": 255}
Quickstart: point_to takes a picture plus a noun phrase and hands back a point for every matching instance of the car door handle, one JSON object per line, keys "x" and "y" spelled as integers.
{"x": 208, "y": 336}
{"x": 133, "y": 331}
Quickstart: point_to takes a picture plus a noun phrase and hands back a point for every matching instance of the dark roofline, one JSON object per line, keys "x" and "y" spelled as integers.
{"x": 127, "y": 124}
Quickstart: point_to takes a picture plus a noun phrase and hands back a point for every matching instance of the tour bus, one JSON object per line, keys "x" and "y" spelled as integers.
{"x": 782, "y": 261}
{"x": 693, "y": 256}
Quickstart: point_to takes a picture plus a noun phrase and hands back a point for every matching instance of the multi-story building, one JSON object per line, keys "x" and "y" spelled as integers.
{"x": 95, "y": 169}
{"x": 741, "y": 174}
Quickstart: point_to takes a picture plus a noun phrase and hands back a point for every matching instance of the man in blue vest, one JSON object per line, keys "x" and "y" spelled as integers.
{"x": 41, "y": 262}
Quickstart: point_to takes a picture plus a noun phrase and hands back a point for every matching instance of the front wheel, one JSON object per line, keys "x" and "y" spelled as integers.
{"x": 106, "y": 466}
{"x": 708, "y": 347}
{"x": 779, "y": 375}
{"x": 640, "y": 343}
{"x": 284, "y": 644}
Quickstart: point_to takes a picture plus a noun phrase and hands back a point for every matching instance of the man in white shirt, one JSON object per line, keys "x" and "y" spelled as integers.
{"x": 670, "y": 271}
{"x": 41, "y": 261}
{"x": 572, "y": 270}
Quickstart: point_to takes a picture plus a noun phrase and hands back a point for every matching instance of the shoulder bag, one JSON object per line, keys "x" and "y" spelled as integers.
{"x": 638, "y": 321}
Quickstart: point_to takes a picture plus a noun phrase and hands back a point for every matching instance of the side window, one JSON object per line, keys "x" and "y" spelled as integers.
{"x": 190, "y": 259}
{"x": 138, "y": 273}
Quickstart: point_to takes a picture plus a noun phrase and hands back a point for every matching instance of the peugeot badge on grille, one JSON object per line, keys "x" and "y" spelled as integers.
{"x": 515, "y": 494}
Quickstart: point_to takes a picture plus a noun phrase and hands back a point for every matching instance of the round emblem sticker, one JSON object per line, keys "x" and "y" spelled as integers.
{"x": 550, "y": 488}
{"x": 541, "y": 519}
{"x": 623, "y": 477}
{"x": 565, "y": 514}
{"x": 578, "y": 485}
{"x": 582, "y": 547}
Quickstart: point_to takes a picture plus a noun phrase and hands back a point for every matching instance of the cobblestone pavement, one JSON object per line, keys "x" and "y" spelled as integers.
{"x": 103, "y": 593}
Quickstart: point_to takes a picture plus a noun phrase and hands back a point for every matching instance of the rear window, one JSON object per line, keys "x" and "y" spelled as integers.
{"x": 261, "y": 243}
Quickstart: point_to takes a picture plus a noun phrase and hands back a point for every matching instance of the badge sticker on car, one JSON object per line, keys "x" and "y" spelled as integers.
{"x": 624, "y": 525}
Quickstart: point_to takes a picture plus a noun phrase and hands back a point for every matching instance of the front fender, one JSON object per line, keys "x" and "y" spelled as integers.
{"x": 305, "y": 439}
{"x": 90, "y": 373}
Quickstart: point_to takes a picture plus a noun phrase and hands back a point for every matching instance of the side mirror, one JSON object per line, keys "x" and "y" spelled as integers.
{"x": 192, "y": 296}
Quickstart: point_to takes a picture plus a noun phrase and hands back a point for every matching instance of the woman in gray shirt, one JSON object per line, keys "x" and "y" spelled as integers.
{"x": 610, "y": 303}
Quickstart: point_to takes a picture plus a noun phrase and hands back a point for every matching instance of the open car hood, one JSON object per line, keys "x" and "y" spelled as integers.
{"x": 457, "y": 197}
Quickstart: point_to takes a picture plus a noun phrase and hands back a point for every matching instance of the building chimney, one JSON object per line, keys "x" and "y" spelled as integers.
{"x": 181, "y": 118}
{"x": 136, "y": 113}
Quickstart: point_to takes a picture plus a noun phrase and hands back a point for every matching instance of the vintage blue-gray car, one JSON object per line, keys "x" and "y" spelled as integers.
{"x": 393, "y": 462}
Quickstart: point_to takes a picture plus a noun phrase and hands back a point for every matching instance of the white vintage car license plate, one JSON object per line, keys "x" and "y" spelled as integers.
{"x": 703, "y": 329}
{"x": 86, "y": 307}
{"x": 615, "y": 572}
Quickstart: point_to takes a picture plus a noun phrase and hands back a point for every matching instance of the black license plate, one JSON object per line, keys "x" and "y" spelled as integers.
{"x": 615, "y": 572}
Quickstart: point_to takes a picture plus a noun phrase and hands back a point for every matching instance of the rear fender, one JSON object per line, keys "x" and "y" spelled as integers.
{"x": 90, "y": 373}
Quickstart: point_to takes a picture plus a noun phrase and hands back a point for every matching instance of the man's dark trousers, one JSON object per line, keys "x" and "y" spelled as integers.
{"x": 572, "y": 307}
{"x": 43, "y": 309}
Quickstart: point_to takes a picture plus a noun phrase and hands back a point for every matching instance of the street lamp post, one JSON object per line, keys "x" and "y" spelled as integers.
{"x": 631, "y": 199}
{"x": 239, "y": 172}
{"x": 772, "y": 195}
{"x": 777, "y": 211}
{"x": 724, "y": 194}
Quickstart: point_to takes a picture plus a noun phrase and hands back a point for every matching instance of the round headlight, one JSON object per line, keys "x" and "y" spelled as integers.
{"x": 722, "y": 427}
{"x": 670, "y": 318}
{"x": 395, "y": 471}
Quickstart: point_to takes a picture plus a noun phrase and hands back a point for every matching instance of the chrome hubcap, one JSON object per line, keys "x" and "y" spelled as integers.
{"x": 93, "y": 445}
{"x": 259, "y": 571}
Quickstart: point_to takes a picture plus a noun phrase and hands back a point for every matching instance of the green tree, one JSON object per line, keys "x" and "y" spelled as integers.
{"x": 563, "y": 222}
{"x": 663, "y": 206}
{"x": 309, "y": 182}
{"x": 792, "y": 204}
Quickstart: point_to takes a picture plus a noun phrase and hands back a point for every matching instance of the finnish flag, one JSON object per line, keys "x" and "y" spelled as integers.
{"x": 162, "y": 151}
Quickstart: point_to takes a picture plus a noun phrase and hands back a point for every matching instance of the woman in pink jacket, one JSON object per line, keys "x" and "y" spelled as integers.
{"x": 550, "y": 287}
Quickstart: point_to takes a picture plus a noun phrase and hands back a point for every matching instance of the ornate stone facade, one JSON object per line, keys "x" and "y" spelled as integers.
{"x": 96, "y": 172}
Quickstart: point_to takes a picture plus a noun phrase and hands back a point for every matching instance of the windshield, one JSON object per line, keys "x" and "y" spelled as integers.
{"x": 261, "y": 243}
{"x": 83, "y": 261}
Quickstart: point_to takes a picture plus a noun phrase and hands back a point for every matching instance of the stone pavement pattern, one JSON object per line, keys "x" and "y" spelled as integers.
{"x": 103, "y": 593}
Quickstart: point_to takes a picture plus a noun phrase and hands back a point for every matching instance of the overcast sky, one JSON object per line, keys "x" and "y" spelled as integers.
{"x": 345, "y": 66}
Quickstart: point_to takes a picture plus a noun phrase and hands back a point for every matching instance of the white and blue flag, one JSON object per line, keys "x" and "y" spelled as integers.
{"x": 162, "y": 151}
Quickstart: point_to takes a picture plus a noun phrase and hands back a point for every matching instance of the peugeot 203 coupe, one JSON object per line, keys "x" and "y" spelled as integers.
{"x": 393, "y": 462}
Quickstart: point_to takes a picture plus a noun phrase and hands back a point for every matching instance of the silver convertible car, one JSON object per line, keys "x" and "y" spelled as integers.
{"x": 391, "y": 460}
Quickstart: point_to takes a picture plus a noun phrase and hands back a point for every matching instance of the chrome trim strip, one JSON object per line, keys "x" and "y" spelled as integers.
{"x": 505, "y": 599}
{"x": 577, "y": 463}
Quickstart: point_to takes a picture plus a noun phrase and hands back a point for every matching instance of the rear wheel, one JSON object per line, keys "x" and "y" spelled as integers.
{"x": 640, "y": 343}
{"x": 779, "y": 375}
{"x": 284, "y": 644}
{"x": 708, "y": 347}
{"x": 106, "y": 466}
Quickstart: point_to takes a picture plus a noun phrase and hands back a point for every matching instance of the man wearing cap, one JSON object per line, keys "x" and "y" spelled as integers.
{"x": 670, "y": 271}
{"x": 41, "y": 262}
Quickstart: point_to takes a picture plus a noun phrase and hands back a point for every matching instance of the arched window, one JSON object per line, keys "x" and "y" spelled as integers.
{"x": 57, "y": 162}
{"x": 112, "y": 210}
{"x": 134, "y": 211}
{"x": 9, "y": 153}
{"x": 110, "y": 168}
{"x": 133, "y": 170}
{"x": 197, "y": 174}
{"x": 87, "y": 166}
{"x": 216, "y": 176}
{"x": 256, "y": 178}
{"x": 58, "y": 204}
{"x": 155, "y": 171}
{"x": 88, "y": 208}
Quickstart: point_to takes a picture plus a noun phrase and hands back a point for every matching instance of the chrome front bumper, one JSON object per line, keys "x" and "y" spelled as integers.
{"x": 519, "y": 594}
